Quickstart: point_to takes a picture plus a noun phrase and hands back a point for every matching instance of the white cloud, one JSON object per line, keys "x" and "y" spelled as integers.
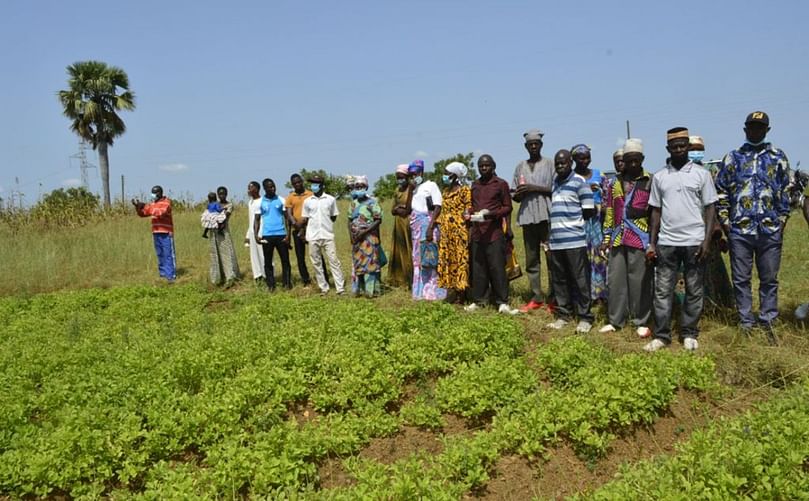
{"x": 71, "y": 183}
{"x": 174, "y": 167}
{"x": 421, "y": 154}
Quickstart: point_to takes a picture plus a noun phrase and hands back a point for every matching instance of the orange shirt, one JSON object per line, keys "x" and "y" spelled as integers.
{"x": 160, "y": 212}
{"x": 294, "y": 203}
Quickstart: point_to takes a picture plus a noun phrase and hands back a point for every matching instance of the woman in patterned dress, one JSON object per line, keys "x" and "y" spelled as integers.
{"x": 400, "y": 271}
{"x": 223, "y": 264}
{"x": 453, "y": 251}
{"x": 364, "y": 219}
{"x": 592, "y": 226}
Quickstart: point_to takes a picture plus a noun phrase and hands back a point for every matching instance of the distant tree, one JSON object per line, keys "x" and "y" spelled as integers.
{"x": 335, "y": 185}
{"x": 66, "y": 207}
{"x": 385, "y": 187}
{"x": 96, "y": 92}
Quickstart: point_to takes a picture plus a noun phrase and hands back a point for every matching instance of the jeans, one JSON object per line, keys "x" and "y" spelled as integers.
{"x": 669, "y": 259}
{"x": 300, "y": 255}
{"x": 277, "y": 242}
{"x": 570, "y": 275}
{"x": 766, "y": 250}
{"x": 489, "y": 268}
{"x": 164, "y": 249}
{"x": 533, "y": 236}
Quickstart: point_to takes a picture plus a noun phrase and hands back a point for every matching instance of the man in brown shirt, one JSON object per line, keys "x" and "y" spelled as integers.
{"x": 491, "y": 203}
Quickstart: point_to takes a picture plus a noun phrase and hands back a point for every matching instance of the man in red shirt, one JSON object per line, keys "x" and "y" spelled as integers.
{"x": 491, "y": 203}
{"x": 162, "y": 231}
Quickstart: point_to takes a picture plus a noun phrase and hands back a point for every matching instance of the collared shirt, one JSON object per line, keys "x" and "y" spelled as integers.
{"x": 422, "y": 191}
{"x": 160, "y": 212}
{"x": 570, "y": 197}
{"x": 272, "y": 217}
{"x": 534, "y": 207}
{"x": 752, "y": 187}
{"x": 294, "y": 203}
{"x": 633, "y": 230}
{"x": 319, "y": 210}
{"x": 494, "y": 196}
{"x": 682, "y": 195}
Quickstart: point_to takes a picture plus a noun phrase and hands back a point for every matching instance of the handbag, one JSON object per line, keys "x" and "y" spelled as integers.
{"x": 513, "y": 270}
{"x": 429, "y": 254}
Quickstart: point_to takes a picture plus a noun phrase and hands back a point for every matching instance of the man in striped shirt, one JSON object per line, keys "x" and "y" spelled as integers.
{"x": 162, "y": 231}
{"x": 571, "y": 203}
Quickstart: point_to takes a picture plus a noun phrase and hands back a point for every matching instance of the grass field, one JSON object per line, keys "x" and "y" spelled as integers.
{"x": 115, "y": 384}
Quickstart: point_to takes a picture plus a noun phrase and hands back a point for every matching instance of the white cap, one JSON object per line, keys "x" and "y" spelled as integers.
{"x": 633, "y": 145}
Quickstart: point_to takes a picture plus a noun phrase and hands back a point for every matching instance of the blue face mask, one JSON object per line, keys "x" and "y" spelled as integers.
{"x": 418, "y": 179}
{"x": 756, "y": 144}
{"x": 315, "y": 187}
{"x": 445, "y": 179}
{"x": 696, "y": 156}
{"x": 153, "y": 196}
{"x": 358, "y": 193}
{"x": 401, "y": 182}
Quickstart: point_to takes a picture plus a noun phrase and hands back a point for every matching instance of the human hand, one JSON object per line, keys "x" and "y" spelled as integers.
{"x": 603, "y": 248}
{"x": 703, "y": 250}
{"x": 651, "y": 254}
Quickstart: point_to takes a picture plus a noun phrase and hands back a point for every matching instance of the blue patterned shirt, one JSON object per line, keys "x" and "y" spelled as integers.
{"x": 752, "y": 188}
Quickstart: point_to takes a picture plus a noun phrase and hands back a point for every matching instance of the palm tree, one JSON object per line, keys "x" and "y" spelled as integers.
{"x": 91, "y": 102}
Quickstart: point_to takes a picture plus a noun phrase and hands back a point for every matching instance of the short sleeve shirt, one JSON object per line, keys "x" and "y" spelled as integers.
{"x": 682, "y": 195}
{"x": 294, "y": 203}
{"x": 272, "y": 217}
{"x": 319, "y": 211}
{"x": 534, "y": 207}
{"x": 570, "y": 197}
{"x": 425, "y": 189}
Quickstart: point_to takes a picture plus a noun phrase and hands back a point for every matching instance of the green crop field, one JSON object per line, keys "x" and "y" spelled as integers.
{"x": 114, "y": 384}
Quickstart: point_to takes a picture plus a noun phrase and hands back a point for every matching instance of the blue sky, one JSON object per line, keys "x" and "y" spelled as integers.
{"x": 233, "y": 91}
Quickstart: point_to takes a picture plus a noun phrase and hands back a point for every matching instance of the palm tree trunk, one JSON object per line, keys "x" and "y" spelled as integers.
{"x": 104, "y": 168}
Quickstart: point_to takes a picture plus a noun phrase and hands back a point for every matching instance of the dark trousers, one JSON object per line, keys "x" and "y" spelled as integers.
{"x": 766, "y": 251}
{"x": 269, "y": 248}
{"x": 489, "y": 269}
{"x": 669, "y": 259}
{"x": 533, "y": 236}
{"x": 300, "y": 255}
{"x": 570, "y": 275}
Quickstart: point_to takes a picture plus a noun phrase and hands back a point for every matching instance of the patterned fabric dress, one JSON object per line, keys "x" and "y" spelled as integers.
{"x": 425, "y": 280}
{"x": 223, "y": 264}
{"x": 453, "y": 250}
{"x": 400, "y": 273}
{"x": 594, "y": 235}
{"x": 365, "y": 254}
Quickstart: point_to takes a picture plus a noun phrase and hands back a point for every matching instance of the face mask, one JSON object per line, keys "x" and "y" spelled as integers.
{"x": 401, "y": 182}
{"x": 358, "y": 193}
{"x": 153, "y": 196}
{"x": 445, "y": 179}
{"x": 696, "y": 156}
{"x": 418, "y": 179}
{"x": 315, "y": 187}
{"x": 756, "y": 144}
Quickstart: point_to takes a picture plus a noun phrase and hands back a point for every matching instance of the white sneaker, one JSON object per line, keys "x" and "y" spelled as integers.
{"x": 558, "y": 324}
{"x": 690, "y": 344}
{"x": 508, "y": 310}
{"x": 654, "y": 345}
{"x": 607, "y": 328}
{"x": 644, "y": 332}
{"x": 471, "y": 307}
{"x": 584, "y": 327}
{"x": 802, "y": 311}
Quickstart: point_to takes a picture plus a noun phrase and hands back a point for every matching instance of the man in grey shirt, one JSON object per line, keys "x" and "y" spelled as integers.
{"x": 682, "y": 202}
{"x": 533, "y": 180}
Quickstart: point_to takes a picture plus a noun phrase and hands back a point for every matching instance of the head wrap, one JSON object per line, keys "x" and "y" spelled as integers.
{"x": 693, "y": 140}
{"x": 350, "y": 180}
{"x": 579, "y": 148}
{"x": 533, "y": 135}
{"x": 457, "y": 168}
{"x": 361, "y": 180}
{"x": 676, "y": 133}
{"x": 416, "y": 167}
{"x": 633, "y": 145}
{"x": 618, "y": 153}
{"x": 401, "y": 169}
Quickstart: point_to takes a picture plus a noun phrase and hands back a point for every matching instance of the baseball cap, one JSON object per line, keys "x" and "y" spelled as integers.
{"x": 758, "y": 117}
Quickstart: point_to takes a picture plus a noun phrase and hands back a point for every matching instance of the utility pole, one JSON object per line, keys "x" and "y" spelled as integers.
{"x": 627, "y": 130}
{"x": 123, "y": 200}
{"x": 84, "y": 165}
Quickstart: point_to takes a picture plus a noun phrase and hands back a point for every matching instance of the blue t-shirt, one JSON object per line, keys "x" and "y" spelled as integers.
{"x": 272, "y": 217}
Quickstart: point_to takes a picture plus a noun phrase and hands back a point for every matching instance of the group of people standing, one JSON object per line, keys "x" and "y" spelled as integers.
{"x": 637, "y": 242}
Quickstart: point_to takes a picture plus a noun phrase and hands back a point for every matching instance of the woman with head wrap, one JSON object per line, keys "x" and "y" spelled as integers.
{"x": 424, "y": 206}
{"x": 364, "y": 219}
{"x": 453, "y": 251}
{"x": 592, "y": 226}
{"x": 400, "y": 272}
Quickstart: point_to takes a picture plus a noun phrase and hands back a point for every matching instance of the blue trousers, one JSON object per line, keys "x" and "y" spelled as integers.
{"x": 164, "y": 248}
{"x": 766, "y": 251}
